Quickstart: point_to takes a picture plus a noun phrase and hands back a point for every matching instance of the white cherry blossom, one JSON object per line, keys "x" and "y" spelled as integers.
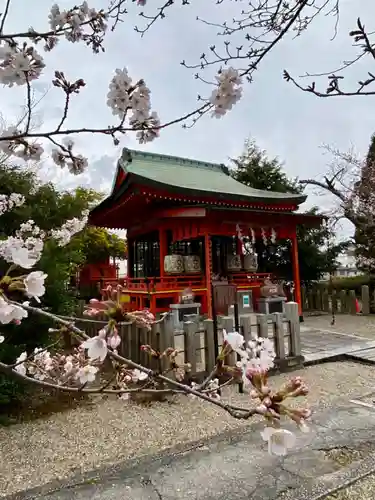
{"x": 261, "y": 354}
{"x": 10, "y": 312}
{"x": 114, "y": 340}
{"x": 279, "y": 440}
{"x": 227, "y": 93}
{"x": 34, "y": 284}
{"x": 21, "y": 368}
{"x": 19, "y": 64}
{"x": 138, "y": 375}
{"x": 68, "y": 366}
{"x": 118, "y": 98}
{"x": 87, "y": 374}
{"x": 69, "y": 229}
{"x": 24, "y": 258}
{"x": 7, "y": 203}
{"x": 235, "y": 340}
{"x": 96, "y": 346}
{"x": 2, "y": 338}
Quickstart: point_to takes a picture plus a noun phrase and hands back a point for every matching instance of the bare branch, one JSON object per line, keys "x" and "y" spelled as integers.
{"x": 365, "y": 86}
{"x": 328, "y": 185}
{"x": 4, "y": 16}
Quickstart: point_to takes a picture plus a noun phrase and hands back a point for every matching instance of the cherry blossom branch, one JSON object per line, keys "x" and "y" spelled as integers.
{"x": 256, "y": 358}
{"x": 41, "y": 350}
{"x": 9, "y": 370}
{"x": 239, "y": 413}
{"x": 240, "y": 55}
{"x": 21, "y": 64}
{"x": 29, "y": 107}
{"x": 160, "y": 15}
{"x": 106, "y": 131}
{"x": 271, "y": 18}
{"x": 34, "y": 34}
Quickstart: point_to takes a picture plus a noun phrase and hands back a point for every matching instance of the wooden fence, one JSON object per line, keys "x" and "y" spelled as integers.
{"x": 195, "y": 342}
{"x": 343, "y": 301}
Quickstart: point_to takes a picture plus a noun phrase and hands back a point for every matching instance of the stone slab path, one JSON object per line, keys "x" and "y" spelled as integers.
{"x": 318, "y": 345}
{"x": 237, "y": 466}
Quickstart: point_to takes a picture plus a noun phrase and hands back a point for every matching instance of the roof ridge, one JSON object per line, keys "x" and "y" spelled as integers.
{"x": 137, "y": 154}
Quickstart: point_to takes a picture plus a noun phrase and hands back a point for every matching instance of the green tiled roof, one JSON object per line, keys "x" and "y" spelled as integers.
{"x": 197, "y": 176}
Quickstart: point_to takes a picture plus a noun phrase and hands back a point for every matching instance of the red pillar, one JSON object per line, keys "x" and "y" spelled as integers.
{"x": 208, "y": 267}
{"x": 296, "y": 275}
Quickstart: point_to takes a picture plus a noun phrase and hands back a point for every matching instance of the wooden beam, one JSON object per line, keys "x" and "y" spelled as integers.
{"x": 181, "y": 212}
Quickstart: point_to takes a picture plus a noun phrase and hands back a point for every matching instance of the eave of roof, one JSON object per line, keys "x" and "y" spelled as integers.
{"x": 182, "y": 176}
{"x": 193, "y": 176}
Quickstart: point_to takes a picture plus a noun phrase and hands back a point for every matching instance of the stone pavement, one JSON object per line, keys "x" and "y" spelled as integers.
{"x": 236, "y": 466}
{"x": 318, "y": 344}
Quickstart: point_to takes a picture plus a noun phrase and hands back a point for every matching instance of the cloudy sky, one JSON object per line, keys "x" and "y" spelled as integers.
{"x": 286, "y": 122}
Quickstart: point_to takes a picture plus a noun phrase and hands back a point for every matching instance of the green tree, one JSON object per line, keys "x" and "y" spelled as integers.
{"x": 49, "y": 208}
{"x": 317, "y": 254}
{"x": 255, "y": 169}
{"x": 364, "y": 206}
{"x": 97, "y": 244}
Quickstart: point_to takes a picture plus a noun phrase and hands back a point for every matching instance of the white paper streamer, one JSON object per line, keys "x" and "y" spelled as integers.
{"x": 273, "y": 236}
{"x": 264, "y": 236}
{"x": 253, "y": 239}
{"x": 239, "y": 232}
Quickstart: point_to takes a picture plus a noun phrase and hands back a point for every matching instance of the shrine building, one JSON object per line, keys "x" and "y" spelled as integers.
{"x": 190, "y": 223}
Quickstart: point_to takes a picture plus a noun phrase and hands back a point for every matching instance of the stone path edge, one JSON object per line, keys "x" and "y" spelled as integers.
{"x": 132, "y": 465}
{"x": 332, "y": 483}
{"x": 318, "y": 490}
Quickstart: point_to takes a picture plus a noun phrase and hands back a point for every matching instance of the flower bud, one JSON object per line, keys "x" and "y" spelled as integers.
{"x": 261, "y": 409}
{"x": 305, "y": 413}
{"x": 267, "y": 402}
{"x": 302, "y": 390}
{"x": 254, "y": 394}
{"x": 102, "y": 333}
{"x": 265, "y": 390}
{"x": 303, "y": 427}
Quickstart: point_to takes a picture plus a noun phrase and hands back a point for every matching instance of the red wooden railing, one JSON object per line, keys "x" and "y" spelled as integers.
{"x": 160, "y": 283}
{"x": 244, "y": 278}
{"x": 166, "y": 283}
{"x": 179, "y": 282}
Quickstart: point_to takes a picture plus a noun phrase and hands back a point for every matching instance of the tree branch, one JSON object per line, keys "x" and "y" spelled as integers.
{"x": 4, "y": 16}
{"x": 361, "y": 39}
{"x": 327, "y": 186}
{"x": 239, "y": 413}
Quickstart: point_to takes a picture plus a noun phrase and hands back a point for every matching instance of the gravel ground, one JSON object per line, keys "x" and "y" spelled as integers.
{"x": 362, "y": 490}
{"x": 109, "y": 431}
{"x": 363, "y": 326}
